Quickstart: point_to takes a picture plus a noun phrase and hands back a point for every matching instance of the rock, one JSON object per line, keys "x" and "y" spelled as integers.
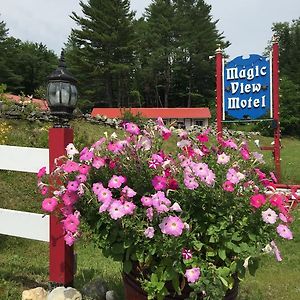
{"x": 34, "y": 294}
{"x": 62, "y": 293}
{"x": 95, "y": 289}
{"x": 111, "y": 295}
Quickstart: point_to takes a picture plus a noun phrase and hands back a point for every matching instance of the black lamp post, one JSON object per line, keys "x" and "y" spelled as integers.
{"x": 61, "y": 93}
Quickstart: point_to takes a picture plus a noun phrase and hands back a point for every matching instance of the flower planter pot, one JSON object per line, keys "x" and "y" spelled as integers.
{"x": 133, "y": 290}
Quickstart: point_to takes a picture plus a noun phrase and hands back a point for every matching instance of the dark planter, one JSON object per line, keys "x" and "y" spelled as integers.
{"x": 133, "y": 290}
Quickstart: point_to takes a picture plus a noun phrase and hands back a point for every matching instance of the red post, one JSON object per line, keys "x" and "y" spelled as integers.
{"x": 275, "y": 67}
{"x": 219, "y": 90}
{"x": 61, "y": 259}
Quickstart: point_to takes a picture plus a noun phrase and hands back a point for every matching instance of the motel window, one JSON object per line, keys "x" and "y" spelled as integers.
{"x": 180, "y": 124}
{"x": 199, "y": 122}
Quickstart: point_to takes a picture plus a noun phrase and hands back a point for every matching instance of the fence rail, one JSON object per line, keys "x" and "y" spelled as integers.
{"x": 23, "y": 159}
{"x": 20, "y": 223}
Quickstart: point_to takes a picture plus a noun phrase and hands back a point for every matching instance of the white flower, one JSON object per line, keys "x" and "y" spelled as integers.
{"x": 71, "y": 150}
{"x": 176, "y": 207}
{"x": 269, "y": 216}
{"x": 113, "y": 136}
{"x": 246, "y": 262}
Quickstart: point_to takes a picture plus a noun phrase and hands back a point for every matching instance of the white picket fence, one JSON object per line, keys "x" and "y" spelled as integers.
{"x": 20, "y": 223}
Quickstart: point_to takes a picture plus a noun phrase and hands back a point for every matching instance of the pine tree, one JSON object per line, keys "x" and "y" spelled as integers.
{"x": 176, "y": 39}
{"x": 100, "y": 52}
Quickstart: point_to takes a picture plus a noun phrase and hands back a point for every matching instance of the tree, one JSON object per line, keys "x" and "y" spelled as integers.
{"x": 34, "y": 62}
{"x": 100, "y": 52}
{"x": 289, "y": 42}
{"x": 289, "y": 53}
{"x": 24, "y": 66}
{"x": 176, "y": 39}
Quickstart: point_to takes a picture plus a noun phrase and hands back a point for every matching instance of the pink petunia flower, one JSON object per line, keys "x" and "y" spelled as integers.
{"x": 84, "y": 169}
{"x": 149, "y": 213}
{"x": 72, "y": 186}
{"x": 81, "y": 178}
{"x": 159, "y": 183}
{"x": 149, "y": 232}
{"x": 187, "y": 254}
{"x": 129, "y": 208}
{"x": 97, "y": 187}
{"x": 192, "y": 275}
{"x": 146, "y": 201}
{"x": 104, "y": 207}
{"x": 190, "y": 182}
{"x": 71, "y": 222}
{"x": 97, "y": 145}
{"x": 104, "y": 195}
{"x": 277, "y": 200}
{"x": 116, "y": 181}
{"x": 269, "y": 216}
{"x": 166, "y": 133}
{"x": 67, "y": 210}
{"x": 116, "y": 210}
{"x": 257, "y": 200}
{"x": 228, "y": 186}
{"x": 69, "y": 238}
{"x": 44, "y": 190}
{"x": 171, "y": 226}
{"x": 283, "y": 218}
{"x": 232, "y": 176}
{"x": 276, "y": 251}
{"x": 70, "y": 166}
{"x": 200, "y": 169}
{"x": 86, "y": 155}
{"x": 203, "y": 138}
{"x": 132, "y": 128}
{"x": 273, "y": 177}
{"x": 98, "y": 162}
{"x": 128, "y": 192}
{"x": 245, "y": 153}
{"x": 223, "y": 158}
{"x": 49, "y": 204}
{"x": 172, "y": 184}
{"x": 284, "y": 232}
{"x": 69, "y": 198}
{"x": 41, "y": 172}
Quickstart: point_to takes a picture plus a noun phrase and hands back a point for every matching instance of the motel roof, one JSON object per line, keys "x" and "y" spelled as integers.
{"x": 42, "y": 104}
{"x": 165, "y": 113}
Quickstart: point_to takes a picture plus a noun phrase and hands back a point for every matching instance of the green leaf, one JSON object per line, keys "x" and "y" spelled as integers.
{"x": 212, "y": 239}
{"x": 253, "y": 264}
{"x": 197, "y": 245}
{"x": 117, "y": 248}
{"x": 252, "y": 237}
{"x": 127, "y": 266}
{"x": 224, "y": 281}
{"x": 210, "y": 253}
{"x": 222, "y": 254}
{"x": 175, "y": 283}
{"x": 233, "y": 267}
{"x": 236, "y": 237}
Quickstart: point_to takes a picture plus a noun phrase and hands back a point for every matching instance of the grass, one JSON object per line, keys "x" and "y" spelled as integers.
{"x": 24, "y": 263}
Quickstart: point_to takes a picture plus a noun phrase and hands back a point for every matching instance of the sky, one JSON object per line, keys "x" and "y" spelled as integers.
{"x": 245, "y": 23}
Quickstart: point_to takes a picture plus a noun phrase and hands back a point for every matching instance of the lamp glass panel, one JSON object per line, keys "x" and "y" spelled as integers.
{"x": 73, "y": 95}
{"x": 65, "y": 93}
{"x": 53, "y": 93}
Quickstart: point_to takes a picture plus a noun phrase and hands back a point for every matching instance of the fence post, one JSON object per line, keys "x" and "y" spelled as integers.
{"x": 61, "y": 256}
{"x": 276, "y": 115}
{"x": 219, "y": 91}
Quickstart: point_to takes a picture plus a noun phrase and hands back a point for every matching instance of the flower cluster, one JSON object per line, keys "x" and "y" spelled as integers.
{"x": 182, "y": 210}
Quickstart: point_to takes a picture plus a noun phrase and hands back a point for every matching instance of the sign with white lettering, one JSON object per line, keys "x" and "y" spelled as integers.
{"x": 247, "y": 89}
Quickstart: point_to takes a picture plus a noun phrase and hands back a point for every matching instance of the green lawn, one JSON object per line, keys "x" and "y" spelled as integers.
{"x": 24, "y": 263}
